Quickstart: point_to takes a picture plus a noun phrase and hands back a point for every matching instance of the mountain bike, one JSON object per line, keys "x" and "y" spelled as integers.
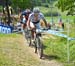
{"x": 38, "y": 42}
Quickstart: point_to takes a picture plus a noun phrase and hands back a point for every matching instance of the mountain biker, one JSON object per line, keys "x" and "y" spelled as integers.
{"x": 34, "y": 20}
{"x": 24, "y": 17}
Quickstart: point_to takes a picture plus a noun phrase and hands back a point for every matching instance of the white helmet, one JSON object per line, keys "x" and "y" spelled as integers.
{"x": 36, "y": 10}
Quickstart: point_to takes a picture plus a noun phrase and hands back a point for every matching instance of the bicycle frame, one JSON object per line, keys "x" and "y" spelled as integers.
{"x": 38, "y": 42}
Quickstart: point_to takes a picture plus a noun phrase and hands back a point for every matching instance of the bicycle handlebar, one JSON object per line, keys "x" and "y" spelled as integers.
{"x": 41, "y": 30}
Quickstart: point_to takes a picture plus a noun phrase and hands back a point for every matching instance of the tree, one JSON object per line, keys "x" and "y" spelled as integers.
{"x": 21, "y": 3}
{"x": 3, "y": 2}
{"x": 66, "y": 5}
{"x": 6, "y": 3}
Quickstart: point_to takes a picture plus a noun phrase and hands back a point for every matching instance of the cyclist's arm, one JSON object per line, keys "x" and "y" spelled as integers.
{"x": 28, "y": 23}
{"x": 42, "y": 16}
{"x": 45, "y": 22}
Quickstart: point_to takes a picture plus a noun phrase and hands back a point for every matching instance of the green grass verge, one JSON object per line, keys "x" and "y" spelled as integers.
{"x": 57, "y": 48}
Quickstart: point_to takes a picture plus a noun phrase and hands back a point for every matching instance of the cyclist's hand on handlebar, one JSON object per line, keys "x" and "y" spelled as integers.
{"x": 46, "y": 28}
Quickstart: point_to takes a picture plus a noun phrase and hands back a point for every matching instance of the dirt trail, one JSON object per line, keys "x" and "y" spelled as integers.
{"x": 42, "y": 62}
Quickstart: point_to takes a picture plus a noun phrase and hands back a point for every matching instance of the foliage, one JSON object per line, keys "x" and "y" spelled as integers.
{"x": 0, "y": 9}
{"x": 74, "y": 20}
{"x": 3, "y": 2}
{"x": 30, "y": 4}
{"x": 21, "y": 3}
{"x": 66, "y": 5}
{"x": 48, "y": 12}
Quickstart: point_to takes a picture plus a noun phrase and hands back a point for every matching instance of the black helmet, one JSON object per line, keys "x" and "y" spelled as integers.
{"x": 27, "y": 11}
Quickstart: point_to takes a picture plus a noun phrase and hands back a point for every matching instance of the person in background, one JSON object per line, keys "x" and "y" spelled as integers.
{"x": 61, "y": 24}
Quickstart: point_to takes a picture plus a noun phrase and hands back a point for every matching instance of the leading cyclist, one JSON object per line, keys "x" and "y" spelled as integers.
{"x": 34, "y": 20}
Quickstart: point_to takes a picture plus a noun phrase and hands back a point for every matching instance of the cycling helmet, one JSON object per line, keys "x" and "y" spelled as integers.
{"x": 36, "y": 10}
{"x": 27, "y": 11}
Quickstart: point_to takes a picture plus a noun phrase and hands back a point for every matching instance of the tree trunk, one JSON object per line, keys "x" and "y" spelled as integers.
{"x": 8, "y": 14}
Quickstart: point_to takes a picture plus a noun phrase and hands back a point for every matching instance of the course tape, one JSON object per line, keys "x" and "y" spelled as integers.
{"x": 57, "y": 33}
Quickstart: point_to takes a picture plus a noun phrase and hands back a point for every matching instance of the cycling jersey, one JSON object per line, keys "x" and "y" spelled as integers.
{"x": 26, "y": 14}
{"x": 34, "y": 19}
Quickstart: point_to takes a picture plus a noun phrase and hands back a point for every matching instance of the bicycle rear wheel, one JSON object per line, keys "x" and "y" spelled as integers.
{"x": 28, "y": 37}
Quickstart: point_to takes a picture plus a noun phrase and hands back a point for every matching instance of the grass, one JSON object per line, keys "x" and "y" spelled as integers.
{"x": 64, "y": 19}
{"x": 57, "y": 48}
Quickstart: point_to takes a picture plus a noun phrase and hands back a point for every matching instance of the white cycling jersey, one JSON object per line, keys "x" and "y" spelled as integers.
{"x": 32, "y": 18}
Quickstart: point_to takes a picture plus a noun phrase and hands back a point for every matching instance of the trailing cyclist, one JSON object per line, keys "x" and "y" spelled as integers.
{"x": 24, "y": 17}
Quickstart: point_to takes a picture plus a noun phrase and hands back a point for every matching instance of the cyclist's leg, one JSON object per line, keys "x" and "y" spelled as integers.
{"x": 32, "y": 27}
{"x": 22, "y": 28}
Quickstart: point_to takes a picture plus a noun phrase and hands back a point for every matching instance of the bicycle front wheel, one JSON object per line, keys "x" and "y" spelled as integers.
{"x": 39, "y": 49}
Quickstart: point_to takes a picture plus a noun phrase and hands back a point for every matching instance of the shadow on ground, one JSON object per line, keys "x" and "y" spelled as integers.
{"x": 50, "y": 57}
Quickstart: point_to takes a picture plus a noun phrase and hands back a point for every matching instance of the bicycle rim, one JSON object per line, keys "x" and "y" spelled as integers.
{"x": 39, "y": 47}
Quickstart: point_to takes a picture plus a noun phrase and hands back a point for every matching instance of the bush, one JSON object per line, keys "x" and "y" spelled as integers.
{"x": 49, "y": 13}
{"x": 74, "y": 20}
{"x": 45, "y": 5}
